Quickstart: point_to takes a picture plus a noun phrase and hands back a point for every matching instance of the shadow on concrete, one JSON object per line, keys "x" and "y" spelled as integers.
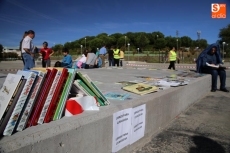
{"x": 205, "y": 145}
{"x": 2, "y": 76}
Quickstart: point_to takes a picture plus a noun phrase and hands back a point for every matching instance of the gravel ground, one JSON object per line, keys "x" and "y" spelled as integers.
{"x": 203, "y": 128}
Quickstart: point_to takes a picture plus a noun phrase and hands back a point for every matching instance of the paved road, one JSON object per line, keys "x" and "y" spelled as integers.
{"x": 203, "y": 128}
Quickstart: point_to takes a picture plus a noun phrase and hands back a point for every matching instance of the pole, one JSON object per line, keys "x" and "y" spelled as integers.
{"x": 223, "y": 50}
{"x": 128, "y": 51}
{"x": 138, "y": 53}
{"x": 177, "y": 33}
{"x": 81, "y": 49}
{"x": 85, "y": 42}
{"x": 125, "y": 43}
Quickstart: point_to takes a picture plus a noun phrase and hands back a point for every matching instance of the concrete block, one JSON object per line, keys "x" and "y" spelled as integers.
{"x": 91, "y": 132}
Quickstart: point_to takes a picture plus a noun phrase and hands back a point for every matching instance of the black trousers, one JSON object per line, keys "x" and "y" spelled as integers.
{"x": 215, "y": 73}
{"x": 116, "y": 62}
{"x": 172, "y": 65}
{"x": 46, "y": 63}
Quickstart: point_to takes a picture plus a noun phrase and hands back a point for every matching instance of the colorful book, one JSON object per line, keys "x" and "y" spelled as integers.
{"x": 117, "y": 96}
{"x": 49, "y": 97}
{"x": 92, "y": 87}
{"x": 97, "y": 89}
{"x": 8, "y": 90}
{"x": 140, "y": 89}
{"x": 61, "y": 104}
{"x": 53, "y": 104}
{"x": 91, "y": 93}
{"x": 85, "y": 92}
{"x": 35, "y": 93}
{"x": 11, "y": 106}
{"x": 21, "y": 103}
{"x": 33, "y": 119}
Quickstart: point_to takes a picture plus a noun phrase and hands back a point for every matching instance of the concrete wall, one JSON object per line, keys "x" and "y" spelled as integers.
{"x": 91, "y": 132}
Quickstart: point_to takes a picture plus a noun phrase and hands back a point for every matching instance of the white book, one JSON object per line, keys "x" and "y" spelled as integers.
{"x": 26, "y": 113}
{"x": 49, "y": 97}
{"x": 30, "y": 78}
{"x": 8, "y": 90}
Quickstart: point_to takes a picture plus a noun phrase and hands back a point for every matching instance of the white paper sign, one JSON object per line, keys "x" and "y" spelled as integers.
{"x": 121, "y": 129}
{"x": 138, "y": 123}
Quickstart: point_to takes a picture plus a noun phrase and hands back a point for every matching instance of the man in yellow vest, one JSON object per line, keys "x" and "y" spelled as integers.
{"x": 116, "y": 56}
{"x": 172, "y": 58}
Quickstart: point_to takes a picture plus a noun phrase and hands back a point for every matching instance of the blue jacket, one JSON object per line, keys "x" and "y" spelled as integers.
{"x": 67, "y": 61}
{"x": 205, "y": 56}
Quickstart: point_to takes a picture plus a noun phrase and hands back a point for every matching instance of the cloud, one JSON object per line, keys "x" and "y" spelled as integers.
{"x": 33, "y": 11}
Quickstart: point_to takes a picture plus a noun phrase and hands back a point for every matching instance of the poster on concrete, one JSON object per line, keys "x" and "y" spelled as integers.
{"x": 138, "y": 123}
{"x": 121, "y": 129}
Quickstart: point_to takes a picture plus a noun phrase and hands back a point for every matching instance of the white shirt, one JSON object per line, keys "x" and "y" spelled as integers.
{"x": 83, "y": 59}
{"x": 27, "y": 43}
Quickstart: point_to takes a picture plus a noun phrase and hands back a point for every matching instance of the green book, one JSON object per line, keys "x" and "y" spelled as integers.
{"x": 81, "y": 83}
{"x": 64, "y": 95}
{"x": 91, "y": 87}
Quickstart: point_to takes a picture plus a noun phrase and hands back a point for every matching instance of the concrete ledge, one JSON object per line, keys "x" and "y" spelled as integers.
{"x": 91, "y": 132}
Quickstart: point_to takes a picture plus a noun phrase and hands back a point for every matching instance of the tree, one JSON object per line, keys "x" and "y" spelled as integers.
{"x": 121, "y": 41}
{"x": 1, "y": 50}
{"x": 186, "y": 41}
{"x": 96, "y": 43}
{"x": 224, "y": 34}
{"x": 58, "y": 49}
{"x": 116, "y": 36}
{"x": 170, "y": 42}
{"x": 160, "y": 43}
{"x": 141, "y": 40}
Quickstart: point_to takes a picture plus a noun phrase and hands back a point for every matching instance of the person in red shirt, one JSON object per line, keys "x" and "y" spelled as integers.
{"x": 46, "y": 52}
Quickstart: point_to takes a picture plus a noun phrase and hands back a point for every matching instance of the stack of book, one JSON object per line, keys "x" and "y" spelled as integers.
{"x": 38, "y": 96}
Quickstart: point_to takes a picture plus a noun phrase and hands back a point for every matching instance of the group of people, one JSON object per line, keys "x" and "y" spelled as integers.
{"x": 28, "y": 51}
{"x": 206, "y": 62}
{"x": 96, "y": 58}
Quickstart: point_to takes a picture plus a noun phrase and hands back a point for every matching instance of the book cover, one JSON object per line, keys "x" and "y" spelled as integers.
{"x": 92, "y": 87}
{"x": 7, "y": 91}
{"x": 53, "y": 104}
{"x": 126, "y": 83}
{"x": 117, "y": 96}
{"x": 91, "y": 93}
{"x": 49, "y": 97}
{"x": 140, "y": 89}
{"x": 64, "y": 95}
{"x": 97, "y": 89}
{"x": 11, "y": 106}
{"x": 33, "y": 119}
{"x": 22, "y": 100}
{"x": 85, "y": 92}
{"x": 35, "y": 93}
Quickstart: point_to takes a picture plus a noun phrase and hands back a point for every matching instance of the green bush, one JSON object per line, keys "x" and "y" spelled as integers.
{"x": 9, "y": 56}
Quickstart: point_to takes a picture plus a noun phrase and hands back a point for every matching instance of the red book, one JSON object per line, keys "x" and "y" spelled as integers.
{"x": 53, "y": 104}
{"x": 42, "y": 97}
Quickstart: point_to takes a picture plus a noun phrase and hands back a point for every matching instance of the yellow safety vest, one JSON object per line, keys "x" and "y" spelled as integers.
{"x": 116, "y": 54}
{"x": 172, "y": 56}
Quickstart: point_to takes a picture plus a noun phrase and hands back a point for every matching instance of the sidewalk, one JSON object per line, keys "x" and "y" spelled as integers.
{"x": 203, "y": 128}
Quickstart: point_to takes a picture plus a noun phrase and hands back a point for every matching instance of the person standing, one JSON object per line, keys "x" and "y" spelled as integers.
{"x": 116, "y": 56}
{"x": 46, "y": 52}
{"x": 20, "y": 46}
{"x": 102, "y": 53}
{"x": 110, "y": 57}
{"x": 27, "y": 50}
{"x": 172, "y": 58}
{"x": 122, "y": 55}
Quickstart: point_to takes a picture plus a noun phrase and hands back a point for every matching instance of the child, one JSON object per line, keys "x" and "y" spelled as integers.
{"x": 67, "y": 59}
{"x": 46, "y": 52}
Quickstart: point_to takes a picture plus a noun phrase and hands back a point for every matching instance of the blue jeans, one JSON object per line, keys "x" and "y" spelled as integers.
{"x": 215, "y": 73}
{"x": 29, "y": 61}
{"x": 111, "y": 62}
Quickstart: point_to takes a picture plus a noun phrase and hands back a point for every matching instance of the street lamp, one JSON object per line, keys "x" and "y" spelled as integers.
{"x": 138, "y": 53}
{"x": 223, "y": 50}
{"x": 81, "y": 49}
{"x": 85, "y": 42}
{"x": 158, "y": 52}
{"x": 128, "y": 50}
{"x": 125, "y": 42}
{"x": 177, "y": 47}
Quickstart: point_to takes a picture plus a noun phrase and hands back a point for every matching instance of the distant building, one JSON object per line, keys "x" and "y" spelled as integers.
{"x": 15, "y": 49}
